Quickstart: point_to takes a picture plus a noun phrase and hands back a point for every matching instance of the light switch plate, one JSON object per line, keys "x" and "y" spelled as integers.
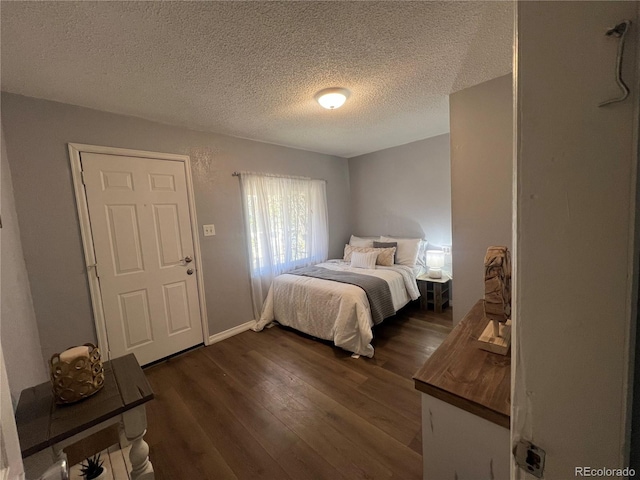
{"x": 209, "y": 230}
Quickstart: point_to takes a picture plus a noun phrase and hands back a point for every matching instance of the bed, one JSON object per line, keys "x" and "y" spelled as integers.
{"x": 335, "y": 311}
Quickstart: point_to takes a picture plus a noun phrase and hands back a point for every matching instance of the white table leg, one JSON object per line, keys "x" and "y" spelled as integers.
{"x": 134, "y": 423}
{"x": 58, "y": 454}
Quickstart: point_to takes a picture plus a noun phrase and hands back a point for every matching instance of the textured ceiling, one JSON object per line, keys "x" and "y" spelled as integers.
{"x": 251, "y": 69}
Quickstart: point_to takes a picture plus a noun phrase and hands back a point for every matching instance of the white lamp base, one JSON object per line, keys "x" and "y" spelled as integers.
{"x": 435, "y": 273}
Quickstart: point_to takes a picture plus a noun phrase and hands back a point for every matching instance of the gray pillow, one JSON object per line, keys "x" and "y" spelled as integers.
{"x": 385, "y": 244}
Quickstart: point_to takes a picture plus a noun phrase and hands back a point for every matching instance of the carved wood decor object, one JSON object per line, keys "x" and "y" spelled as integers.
{"x": 497, "y": 300}
{"x": 497, "y": 284}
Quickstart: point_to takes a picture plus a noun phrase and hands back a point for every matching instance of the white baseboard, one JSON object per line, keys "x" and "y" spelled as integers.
{"x": 231, "y": 332}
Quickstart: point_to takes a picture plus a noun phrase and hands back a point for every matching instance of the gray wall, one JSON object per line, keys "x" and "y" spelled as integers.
{"x": 18, "y": 329}
{"x": 576, "y": 174}
{"x": 37, "y": 133}
{"x": 403, "y": 191}
{"x": 481, "y": 182}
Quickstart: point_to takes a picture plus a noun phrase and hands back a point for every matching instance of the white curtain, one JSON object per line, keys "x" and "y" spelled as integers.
{"x": 286, "y": 226}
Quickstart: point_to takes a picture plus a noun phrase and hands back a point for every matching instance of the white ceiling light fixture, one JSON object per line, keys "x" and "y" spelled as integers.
{"x": 332, "y": 98}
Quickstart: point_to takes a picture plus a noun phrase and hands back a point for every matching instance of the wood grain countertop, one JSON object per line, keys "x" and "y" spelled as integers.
{"x": 461, "y": 374}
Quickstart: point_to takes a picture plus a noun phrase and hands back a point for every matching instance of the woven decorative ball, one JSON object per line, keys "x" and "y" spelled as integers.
{"x": 76, "y": 373}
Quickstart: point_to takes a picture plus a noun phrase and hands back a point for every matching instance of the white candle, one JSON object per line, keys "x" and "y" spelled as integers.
{"x": 70, "y": 355}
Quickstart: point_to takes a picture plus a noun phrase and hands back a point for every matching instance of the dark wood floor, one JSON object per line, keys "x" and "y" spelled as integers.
{"x": 278, "y": 405}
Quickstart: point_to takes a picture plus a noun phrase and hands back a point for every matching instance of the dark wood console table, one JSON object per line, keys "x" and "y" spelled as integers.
{"x": 466, "y": 405}
{"x": 44, "y": 425}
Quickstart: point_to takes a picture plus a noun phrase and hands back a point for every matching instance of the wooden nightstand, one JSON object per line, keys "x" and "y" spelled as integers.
{"x": 434, "y": 292}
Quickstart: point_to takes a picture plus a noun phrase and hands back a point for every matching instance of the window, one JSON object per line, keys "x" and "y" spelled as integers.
{"x": 286, "y": 226}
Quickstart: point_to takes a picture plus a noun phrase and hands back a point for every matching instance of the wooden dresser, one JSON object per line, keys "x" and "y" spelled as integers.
{"x": 465, "y": 406}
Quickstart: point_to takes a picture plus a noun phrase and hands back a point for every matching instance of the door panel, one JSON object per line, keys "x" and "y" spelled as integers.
{"x": 177, "y": 307}
{"x": 116, "y": 181}
{"x": 162, "y": 183}
{"x": 134, "y": 317}
{"x": 168, "y": 234}
{"x": 141, "y": 228}
{"x": 124, "y": 238}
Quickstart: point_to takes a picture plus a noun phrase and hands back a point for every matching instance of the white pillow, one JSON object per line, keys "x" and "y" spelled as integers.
{"x": 407, "y": 251}
{"x": 360, "y": 242}
{"x": 364, "y": 260}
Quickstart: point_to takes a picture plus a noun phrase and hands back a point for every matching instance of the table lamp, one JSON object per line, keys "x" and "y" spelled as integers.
{"x": 435, "y": 262}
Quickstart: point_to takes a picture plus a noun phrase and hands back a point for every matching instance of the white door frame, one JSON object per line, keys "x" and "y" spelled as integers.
{"x": 11, "y": 466}
{"x": 75, "y": 149}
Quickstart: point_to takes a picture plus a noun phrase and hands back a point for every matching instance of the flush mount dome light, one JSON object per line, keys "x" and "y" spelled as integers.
{"x": 332, "y": 98}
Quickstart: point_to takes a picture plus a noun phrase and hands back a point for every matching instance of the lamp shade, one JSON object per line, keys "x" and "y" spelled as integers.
{"x": 435, "y": 258}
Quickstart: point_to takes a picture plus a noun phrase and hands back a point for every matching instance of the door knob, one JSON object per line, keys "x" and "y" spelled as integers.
{"x": 188, "y": 259}
{"x": 190, "y": 271}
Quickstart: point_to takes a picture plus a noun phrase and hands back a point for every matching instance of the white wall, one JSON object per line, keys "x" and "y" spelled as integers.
{"x": 403, "y": 191}
{"x": 481, "y": 120}
{"x": 37, "y": 133}
{"x": 457, "y": 444}
{"x": 575, "y": 206}
{"x": 24, "y": 362}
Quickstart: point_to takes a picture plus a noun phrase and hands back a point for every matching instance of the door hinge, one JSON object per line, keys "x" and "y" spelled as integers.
{"x": 95, "y": 268}
{"x": 82, "y": 175}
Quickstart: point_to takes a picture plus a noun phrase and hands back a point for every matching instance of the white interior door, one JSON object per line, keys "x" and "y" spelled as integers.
{"x": 144, "y": 250}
